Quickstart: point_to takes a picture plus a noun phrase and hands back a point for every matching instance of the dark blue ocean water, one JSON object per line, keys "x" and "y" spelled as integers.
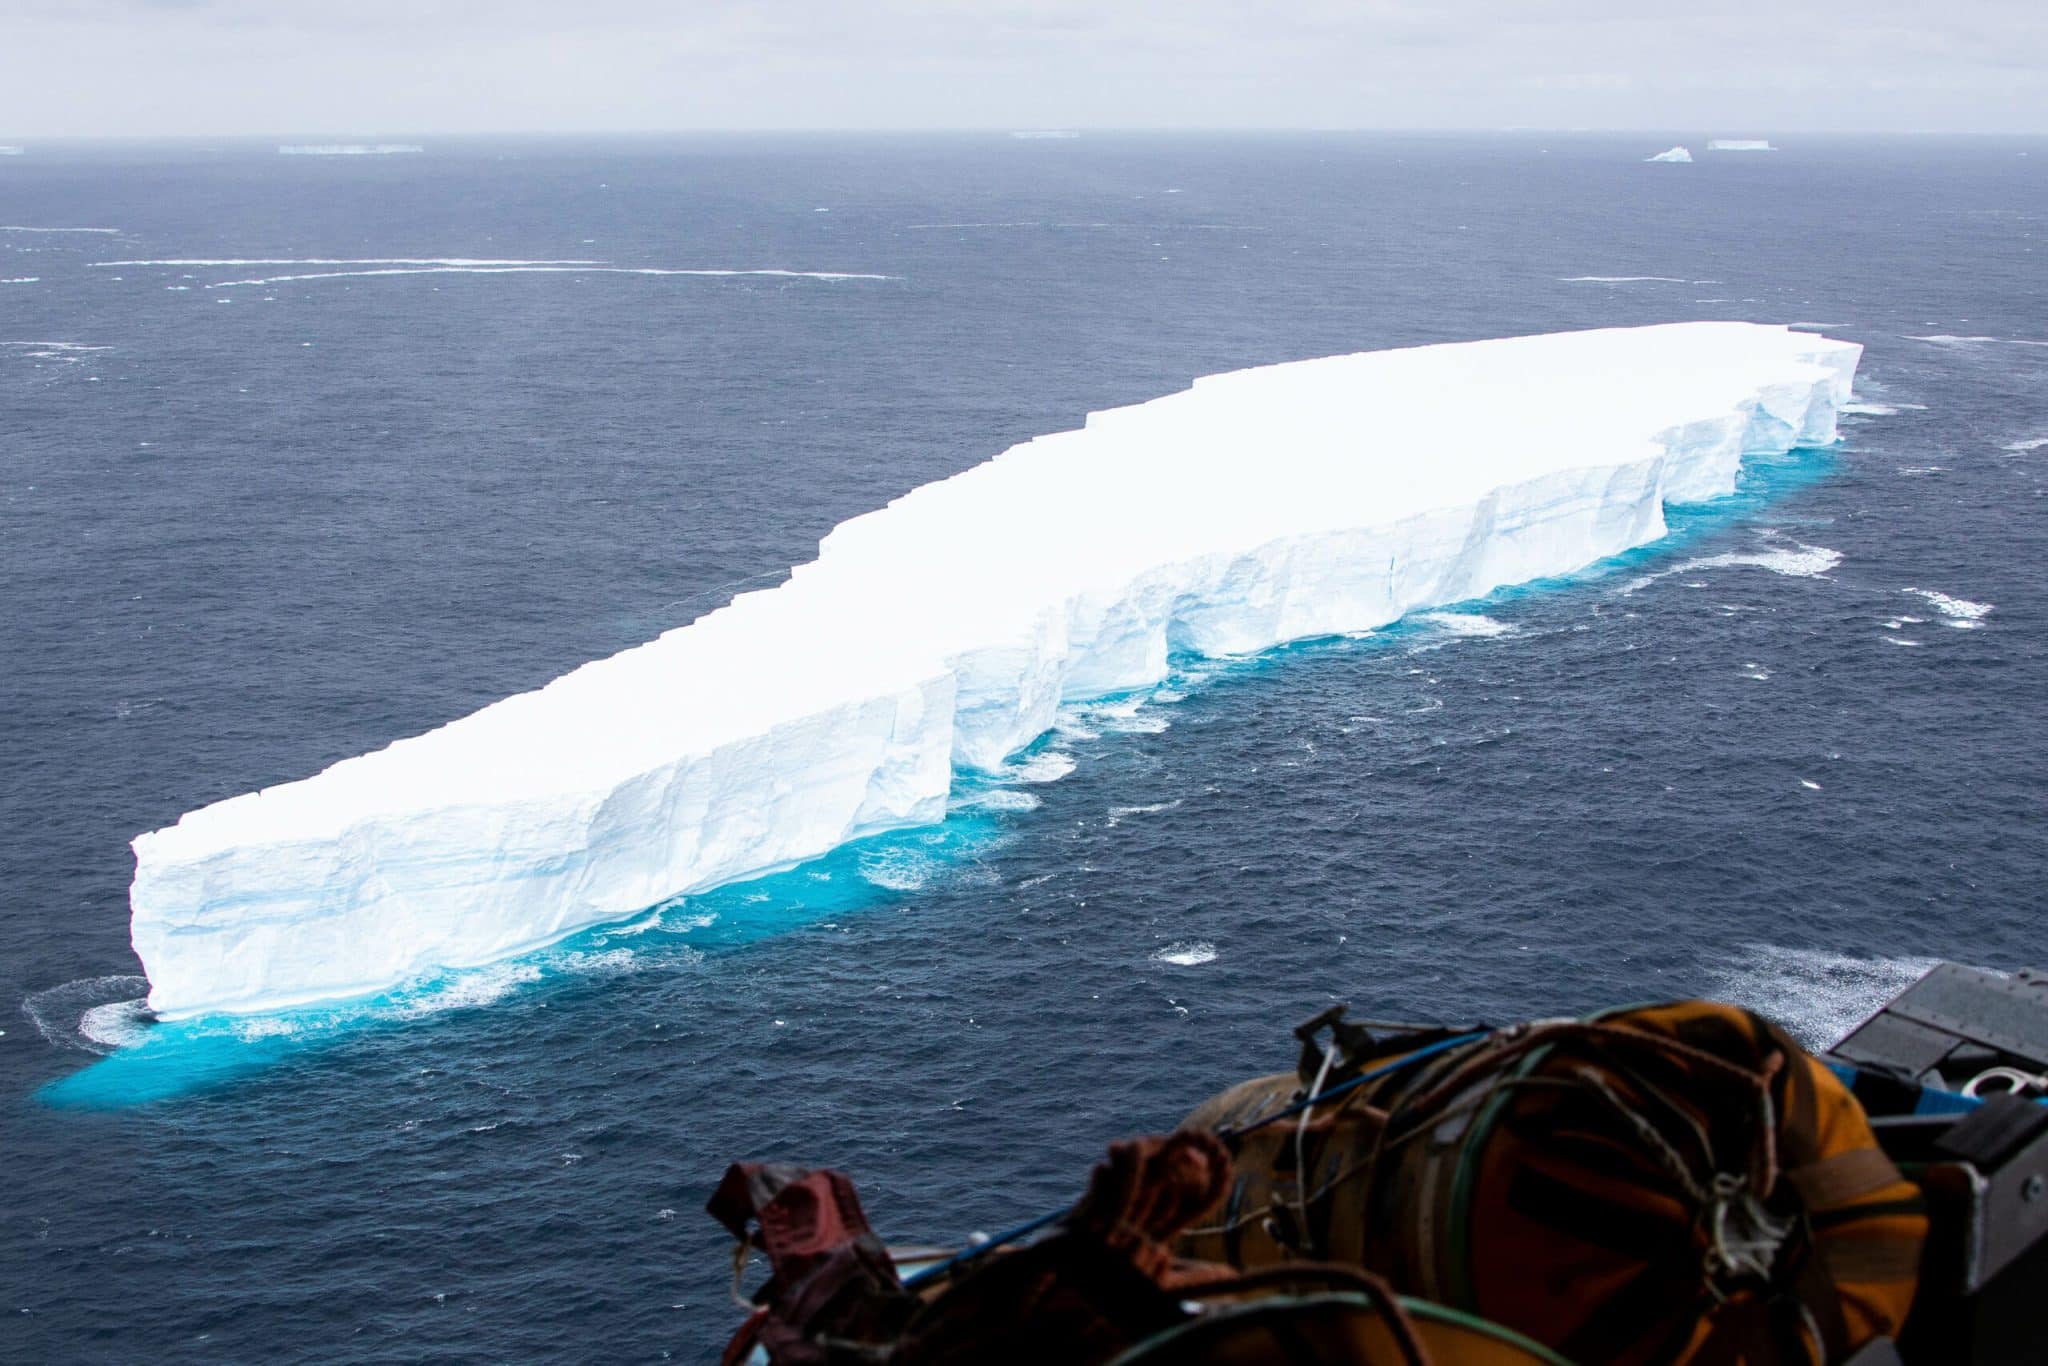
{"x": 250, "y": 529}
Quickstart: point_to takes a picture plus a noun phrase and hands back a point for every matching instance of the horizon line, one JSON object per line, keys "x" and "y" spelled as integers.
{"x": 1009, "y": 130}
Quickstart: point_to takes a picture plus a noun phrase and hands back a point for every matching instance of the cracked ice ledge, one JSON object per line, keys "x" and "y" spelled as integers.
{"x": 1254, "y": 508}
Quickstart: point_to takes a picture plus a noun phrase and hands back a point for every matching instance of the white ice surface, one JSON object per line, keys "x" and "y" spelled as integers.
{"x": 1677, "y": 154}
{"x": 1256, "y": 507}
{"x": 1740, "y": 145}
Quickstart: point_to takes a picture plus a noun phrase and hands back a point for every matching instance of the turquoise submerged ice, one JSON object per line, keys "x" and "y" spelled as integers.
{"x": 942, "y": 631}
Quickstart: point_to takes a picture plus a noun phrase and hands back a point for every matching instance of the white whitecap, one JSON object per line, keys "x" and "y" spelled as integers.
{"x": 1473, "y": 624}
{"x": 1125, "y": 715}
{"x": 1045, "y": 766}
{"x": 1794, "y": 561}
{"x": 629, "y": 929}
{"x": 2033, "y": 443}
{"x": 1957, "y": 612}
{"x": 607, "y": 962}
{"x": 1948, "y": 339}
{"x": 1119, "y": 814}
{"x": 116, "y": 1024}
{"x": 1187, "y": 953}
{"x": 95, "y": 1014}
{"x": 1069, "y": 724}
{"x": 476, "y": 987}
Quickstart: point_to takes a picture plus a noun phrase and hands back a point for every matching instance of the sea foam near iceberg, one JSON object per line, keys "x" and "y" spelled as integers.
{"x": 1256, "y": 507}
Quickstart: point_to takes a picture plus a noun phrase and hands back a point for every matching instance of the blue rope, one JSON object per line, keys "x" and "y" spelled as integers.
{"x": 1440, "y": 1046}
{"x": 1025, "y": 1230}
{"x": 966, "y": 1255}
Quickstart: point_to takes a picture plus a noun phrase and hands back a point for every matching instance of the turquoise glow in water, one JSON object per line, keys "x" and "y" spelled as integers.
{"x": 167, "y": 1060}
{"x": 163, "y": 1061}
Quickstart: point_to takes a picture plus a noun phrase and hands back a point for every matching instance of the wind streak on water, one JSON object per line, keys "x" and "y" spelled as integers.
{"x": 549, "y": 270}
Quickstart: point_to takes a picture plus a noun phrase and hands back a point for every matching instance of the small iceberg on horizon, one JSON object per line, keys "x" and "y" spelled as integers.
{"x": 1740, "y": 145}
{"x": 1676, "y": 155}
{"x": 348, "y": 149}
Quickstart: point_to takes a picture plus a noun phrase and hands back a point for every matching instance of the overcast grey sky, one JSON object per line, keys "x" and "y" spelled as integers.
{"x": 370, "y": 67}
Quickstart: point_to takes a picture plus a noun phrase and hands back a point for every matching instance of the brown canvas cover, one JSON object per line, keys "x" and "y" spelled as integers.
{"x": 1675, "y": 1183}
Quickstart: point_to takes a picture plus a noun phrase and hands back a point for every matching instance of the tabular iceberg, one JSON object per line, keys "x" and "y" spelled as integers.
{"x": 941, "y": 632}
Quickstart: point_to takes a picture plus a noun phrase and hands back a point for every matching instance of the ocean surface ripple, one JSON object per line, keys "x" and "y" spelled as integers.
{"x": 1788, "y": 757}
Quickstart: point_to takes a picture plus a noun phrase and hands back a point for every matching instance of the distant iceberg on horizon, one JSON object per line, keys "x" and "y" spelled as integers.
{"x": 1740, "y": 145}
{"x": 348, "y": 149}
{"x": 940, "y": 633}
{"x": 1676, "y": 155}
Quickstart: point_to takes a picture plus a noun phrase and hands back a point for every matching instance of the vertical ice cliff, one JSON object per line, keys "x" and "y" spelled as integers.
{"x": 1253, "y": 508}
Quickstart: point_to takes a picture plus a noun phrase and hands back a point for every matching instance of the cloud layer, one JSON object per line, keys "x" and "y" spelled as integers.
{"x": 262, "y": 67}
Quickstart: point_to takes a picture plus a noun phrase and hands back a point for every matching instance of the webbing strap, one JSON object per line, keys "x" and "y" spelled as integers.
{"x": 1843, "y": 1178}
{"x": 1871, "y": 1261}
